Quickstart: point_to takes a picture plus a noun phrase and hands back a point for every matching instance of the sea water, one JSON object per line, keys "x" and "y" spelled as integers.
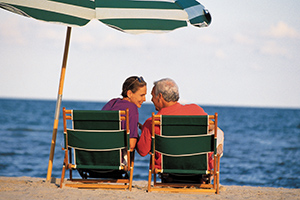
{"x": 261, "y": 148}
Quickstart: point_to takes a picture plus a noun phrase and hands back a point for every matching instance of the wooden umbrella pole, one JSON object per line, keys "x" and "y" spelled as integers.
{"x": 58, "y": 102}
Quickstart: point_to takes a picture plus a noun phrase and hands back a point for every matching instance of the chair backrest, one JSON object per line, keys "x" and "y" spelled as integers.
{"x": 184, "y": 143}
{"x": 97, "y": 138}
{"x": 96, "y": 120}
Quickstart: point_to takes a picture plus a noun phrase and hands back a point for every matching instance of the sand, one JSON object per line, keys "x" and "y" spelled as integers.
{"x": 39, "y": 188}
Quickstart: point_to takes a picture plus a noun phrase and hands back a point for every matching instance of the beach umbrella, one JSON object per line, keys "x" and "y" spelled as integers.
{"x": 130, "y": 16}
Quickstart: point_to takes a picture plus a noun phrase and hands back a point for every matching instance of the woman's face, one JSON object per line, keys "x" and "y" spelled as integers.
{"x": 139, "y": 97}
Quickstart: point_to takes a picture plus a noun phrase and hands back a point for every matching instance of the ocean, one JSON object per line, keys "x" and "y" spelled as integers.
{"x": 261, "y": 147}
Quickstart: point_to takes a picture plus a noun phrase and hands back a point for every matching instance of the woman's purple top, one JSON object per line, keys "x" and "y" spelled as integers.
{"x": 119, "y": 104}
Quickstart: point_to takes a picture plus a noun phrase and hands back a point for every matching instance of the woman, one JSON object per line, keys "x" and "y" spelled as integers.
{"x": 134, "y": 92}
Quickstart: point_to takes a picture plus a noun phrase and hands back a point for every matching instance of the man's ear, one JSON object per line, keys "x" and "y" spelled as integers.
{"x": 159, "y": 97}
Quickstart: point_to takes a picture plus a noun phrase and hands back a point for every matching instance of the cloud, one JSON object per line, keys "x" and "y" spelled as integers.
{"x": 84, "y": 39}
{"x": 243, "y": 39}
{"x": 282, "y": 30}
{"x": 220, "y": 54}
{"x": 164, "y": 40}
{"x": 18, "y": 30}
{"x": 257, "y": 67}
{"x": 208, "y": 39}
{"x": 10, "y": 32}
{"x": 281, "y": 40}
{"x": 50, "y": 33}
{"x": 273, "y": 48}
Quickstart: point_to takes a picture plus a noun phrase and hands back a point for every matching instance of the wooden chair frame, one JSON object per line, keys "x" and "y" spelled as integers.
{"x": 184, "y": 187}
{"x": 96, "y": 183}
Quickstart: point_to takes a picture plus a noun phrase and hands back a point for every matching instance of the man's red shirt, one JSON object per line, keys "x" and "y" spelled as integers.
{"x": 144, "y": 144}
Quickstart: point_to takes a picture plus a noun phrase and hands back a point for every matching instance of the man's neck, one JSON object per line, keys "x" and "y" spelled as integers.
{"x": 167, "y": 104}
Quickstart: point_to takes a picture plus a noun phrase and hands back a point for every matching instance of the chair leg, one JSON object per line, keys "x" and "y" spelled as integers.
{"x": 131, "y": 169}
{"x": 65, "y": 164}
{"x": 217, "y": 189}
{"x": 215, "y": 171}
{"x": 70, "y": 161}
{"x": 149, "y": 180}
{"x": 218, "y": 174}
{"x": 130, "y": 178}
{"x": 62, "y": 176}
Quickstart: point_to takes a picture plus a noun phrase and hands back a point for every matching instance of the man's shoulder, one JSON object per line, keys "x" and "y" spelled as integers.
{"x": 148, "y": 122}
{"x": 192, "y": 109}
{"x": 192, "y": 105}
{"x": 180, "y": 109}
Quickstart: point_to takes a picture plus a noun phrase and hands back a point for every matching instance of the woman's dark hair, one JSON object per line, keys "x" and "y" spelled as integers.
{"x": 132, "y": 83}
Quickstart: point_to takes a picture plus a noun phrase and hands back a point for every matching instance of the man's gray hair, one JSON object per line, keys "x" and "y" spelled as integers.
{"x": 168, "y": 88}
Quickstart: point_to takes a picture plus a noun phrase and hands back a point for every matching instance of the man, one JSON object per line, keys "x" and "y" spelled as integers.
{"x": 165, "y": 97}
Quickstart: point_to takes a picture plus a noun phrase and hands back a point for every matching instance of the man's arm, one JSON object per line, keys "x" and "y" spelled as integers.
{"x": 220, "y": 141}
{"x": 143, "y": 146}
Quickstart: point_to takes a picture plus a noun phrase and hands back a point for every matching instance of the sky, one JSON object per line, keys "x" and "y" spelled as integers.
{"x": 248, "y": 56}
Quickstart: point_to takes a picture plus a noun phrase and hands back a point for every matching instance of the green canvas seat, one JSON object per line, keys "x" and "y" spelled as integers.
{"x": 185, "y": 144}
{"x": 95, "y": 147}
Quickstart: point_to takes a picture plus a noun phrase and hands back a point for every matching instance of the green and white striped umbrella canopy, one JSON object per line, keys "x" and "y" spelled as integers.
{"x": 131, "y": 16}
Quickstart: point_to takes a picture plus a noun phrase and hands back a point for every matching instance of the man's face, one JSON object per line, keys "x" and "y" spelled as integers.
{"x": 156, "y": 100}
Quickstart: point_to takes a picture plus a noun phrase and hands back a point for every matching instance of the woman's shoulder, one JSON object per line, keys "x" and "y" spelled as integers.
{"x": 133, "y": 109}
{"x": 123, "y": 104}
{"x": 113, "y": 100}
{"x": 131, "y": 106}
{"x": 110, "y": 104}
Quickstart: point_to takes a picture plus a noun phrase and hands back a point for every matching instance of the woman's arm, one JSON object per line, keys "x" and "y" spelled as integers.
{"x": 132, "y": 142}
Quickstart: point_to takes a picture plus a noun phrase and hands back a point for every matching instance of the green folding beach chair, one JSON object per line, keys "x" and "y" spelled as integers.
{"x": 185, "y": 145}
{"x": 98, "y": 149}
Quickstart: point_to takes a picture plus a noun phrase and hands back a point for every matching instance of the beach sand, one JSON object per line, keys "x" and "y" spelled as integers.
{"x": 39, "y": 188}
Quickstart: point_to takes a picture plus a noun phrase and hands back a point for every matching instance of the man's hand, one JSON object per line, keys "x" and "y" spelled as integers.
{"x": 140, "y": 126}
{"x": 220, "y": 149}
